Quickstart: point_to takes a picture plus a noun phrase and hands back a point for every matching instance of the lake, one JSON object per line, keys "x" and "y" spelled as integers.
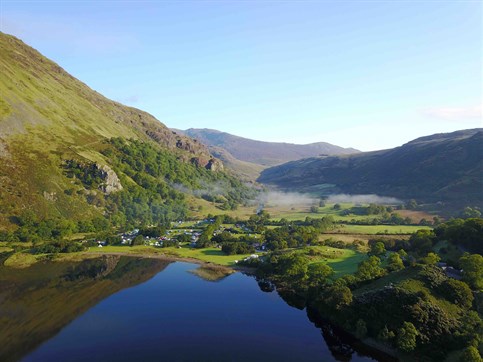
{"x": 173, "y": 315}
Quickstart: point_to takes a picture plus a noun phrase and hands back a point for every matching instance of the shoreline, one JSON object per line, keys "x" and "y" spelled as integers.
{"x": 25, "y": 262}
{"x": 173, "y": 258}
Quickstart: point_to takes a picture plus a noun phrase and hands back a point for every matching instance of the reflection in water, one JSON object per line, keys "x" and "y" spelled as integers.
{"x": 37, "y": 302}
{"x": 212, "y": 272}
{"x": 342, "y": 345}
{"x": 54, "y": 308}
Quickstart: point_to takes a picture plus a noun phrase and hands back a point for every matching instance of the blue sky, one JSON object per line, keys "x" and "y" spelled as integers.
{"x": 363, "y": 74}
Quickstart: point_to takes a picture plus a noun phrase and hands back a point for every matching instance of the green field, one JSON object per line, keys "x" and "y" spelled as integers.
{"x": 300, "y": 212}
{"x": 211, "y": 255}
{"x": 206, "y": 208}
{"x": 379, "y": 229}
{"x": 345, "y": 261}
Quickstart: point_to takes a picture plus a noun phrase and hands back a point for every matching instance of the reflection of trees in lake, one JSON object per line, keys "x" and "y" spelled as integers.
{"x": 37, "y": 302}
{"x": 341, "y": 344}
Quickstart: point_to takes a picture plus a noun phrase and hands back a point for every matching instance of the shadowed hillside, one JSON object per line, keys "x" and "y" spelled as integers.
{"x": 443, "y": 167}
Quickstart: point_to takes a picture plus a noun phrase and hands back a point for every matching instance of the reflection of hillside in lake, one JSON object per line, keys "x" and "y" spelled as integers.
{"x": 37, "y": 302}
{"x": 99, "y": 310}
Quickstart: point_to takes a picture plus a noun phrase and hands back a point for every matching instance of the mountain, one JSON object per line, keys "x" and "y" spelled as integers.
{"x": 443, "y": 167}
{"x": 66, "y": 151}
{"x": 251, "y": 156}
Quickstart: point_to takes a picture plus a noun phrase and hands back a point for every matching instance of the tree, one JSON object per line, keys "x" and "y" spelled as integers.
{"x": 337, "y": 207}
{"x": 183, "y": 238}
{"x": 412, "y": 204}
{"x": 457, "y": 292}
{"x": 472, "y": 265}
{"x": 370, "y": 269}
{"x": 377, "y": 249}
{"x": 361, "y": 329}
{"x": 338, "y": 296}
{"x": 385, "y": 334}
{"x": 430, "y": 259}
{"x": 402, "y": 253}
{"x": 406, "y": 337}
{"x": 394, "y": 262}
{"x": 138, "y": 240}
{"x": 471, "y": 354}
{"x": 422, "y": 241}
{"x": 314, "y": 209}
{"x": 296, "y": 268}
{"x": 469, "y": 212}
{"x": 319, "y": 273}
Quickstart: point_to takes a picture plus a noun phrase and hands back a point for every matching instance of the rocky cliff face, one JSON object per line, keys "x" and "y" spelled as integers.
{"x": 214, "y": 165}
{"x": 111, "y": 181}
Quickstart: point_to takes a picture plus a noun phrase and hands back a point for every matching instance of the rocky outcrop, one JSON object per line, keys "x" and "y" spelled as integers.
{"x": 214, "y": 165}
{"x": 50, "y": 196}
{"x": 111, "y": 181}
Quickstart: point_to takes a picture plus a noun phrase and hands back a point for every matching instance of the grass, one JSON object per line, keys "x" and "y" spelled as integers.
{"x": 301, "y": 211}
{"x": 210, "y": 255}
{"x": 394, "y": 278}
{"x": 343, "y": 261}
{"x": 407, "y": 279}
{"x": 20, "y": 260}
{"x": 349, "y": 238}
{"x": 418, "y": 286}
{"x": 379, "y": 229}
{"x": 415, "y": 216}
{"x": 200, "y": 208}
{"x": 347, "y": 263}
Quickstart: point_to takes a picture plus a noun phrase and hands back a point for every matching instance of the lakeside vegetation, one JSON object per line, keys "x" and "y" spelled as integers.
{"x": 339, "y": 275}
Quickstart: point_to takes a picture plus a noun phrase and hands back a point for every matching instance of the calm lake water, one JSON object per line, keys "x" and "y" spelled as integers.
{"x": 177, "y": 316}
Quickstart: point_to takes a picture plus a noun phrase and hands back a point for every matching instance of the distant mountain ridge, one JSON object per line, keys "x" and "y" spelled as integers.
{"x": 242, "y": 153}
{"x": 444, "y": 167}
{"x": 263, "y": 153}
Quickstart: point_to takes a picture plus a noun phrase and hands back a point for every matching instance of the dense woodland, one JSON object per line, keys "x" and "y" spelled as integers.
{"x": 399, "y": 296}
{"x": 155, "y": 184}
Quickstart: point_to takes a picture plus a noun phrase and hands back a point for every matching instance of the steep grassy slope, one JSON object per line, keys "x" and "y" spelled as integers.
{"x": 442, "y": 167}
{"x": 47, "y": 117}
{"x": 263, "y": 153}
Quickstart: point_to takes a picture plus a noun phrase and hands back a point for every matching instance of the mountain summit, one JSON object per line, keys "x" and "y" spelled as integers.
{"x": 248, "y": 157}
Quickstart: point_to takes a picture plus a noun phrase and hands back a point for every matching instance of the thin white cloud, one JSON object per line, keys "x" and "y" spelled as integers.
{"x": 455, "y": 113}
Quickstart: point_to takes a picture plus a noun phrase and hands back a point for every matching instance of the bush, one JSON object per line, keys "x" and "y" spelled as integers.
{"x": 457, "y": 292}
{"x": 138, "y": 240}
{"x": 406, "y": 337}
